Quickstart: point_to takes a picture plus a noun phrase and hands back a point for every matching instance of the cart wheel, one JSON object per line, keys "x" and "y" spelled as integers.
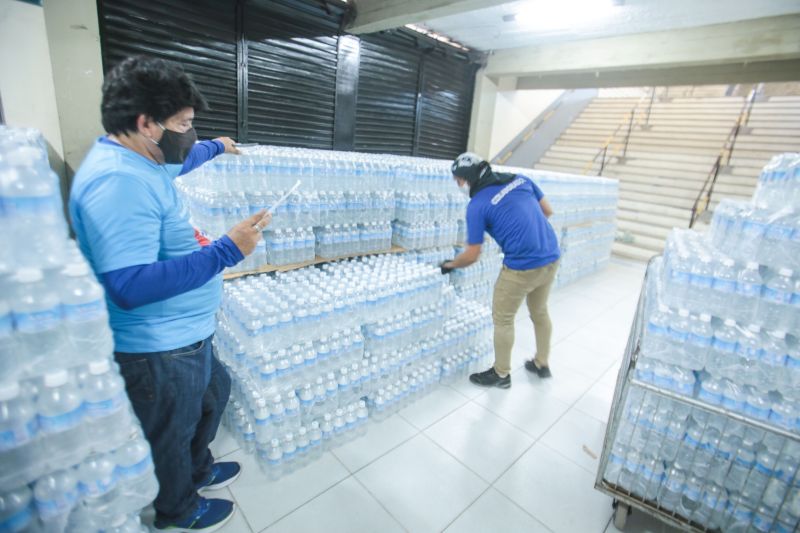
{"x": 621, "y": 512}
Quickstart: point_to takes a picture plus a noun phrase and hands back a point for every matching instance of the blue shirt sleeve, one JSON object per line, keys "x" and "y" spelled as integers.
{"x": 476, "y": 223}
{"x": 139, "y": 285}
{"x": 201, "y": 152}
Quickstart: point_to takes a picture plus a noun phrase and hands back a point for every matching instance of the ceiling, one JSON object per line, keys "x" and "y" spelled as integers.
{"x": 535, "y": 22}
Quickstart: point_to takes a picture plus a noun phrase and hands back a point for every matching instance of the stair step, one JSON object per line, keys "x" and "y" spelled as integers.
{"x": 783, "y": 132}
{"x": 643, "y": 229}
{"x": 653, "y": 196}
{"x": 629, "y": 251}
{"x": 653, "y": 207}
{"x": 667, "y": 222}
{"x": 658, "y": 191}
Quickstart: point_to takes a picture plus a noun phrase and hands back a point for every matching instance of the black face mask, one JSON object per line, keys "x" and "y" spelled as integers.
{"x": 176, "y": 146}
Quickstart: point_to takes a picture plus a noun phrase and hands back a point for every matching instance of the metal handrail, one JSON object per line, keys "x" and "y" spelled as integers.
{"x": 628, "y": 120}
{"x": 725, "y": 152}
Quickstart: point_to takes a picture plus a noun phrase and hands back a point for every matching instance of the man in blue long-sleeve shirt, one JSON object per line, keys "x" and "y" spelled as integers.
{"x": 162, "y": 287}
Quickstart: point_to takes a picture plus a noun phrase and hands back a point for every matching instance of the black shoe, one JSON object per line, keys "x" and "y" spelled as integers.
{"x": 542, "y": 372}
{"x": 489, "y": 378}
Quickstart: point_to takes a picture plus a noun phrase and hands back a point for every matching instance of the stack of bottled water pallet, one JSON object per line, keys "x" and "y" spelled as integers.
{"x": 708, "y": 432}
{"x": 72, "y": 454}
{"x": 347, "y": 203}
{"x": 316, "y": 352}
{"x": 352, "y": 203}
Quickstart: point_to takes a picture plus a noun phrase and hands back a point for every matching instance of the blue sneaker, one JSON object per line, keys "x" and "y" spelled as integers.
{"x": 211, "y": 515}
{"x": 222, "y": 475}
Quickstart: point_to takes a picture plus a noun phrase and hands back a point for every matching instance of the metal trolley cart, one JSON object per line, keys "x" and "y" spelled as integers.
{"x": 686, "y": 461}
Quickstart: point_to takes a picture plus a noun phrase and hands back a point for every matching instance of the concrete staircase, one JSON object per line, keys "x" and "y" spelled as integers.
{"x": 669, "y": 155}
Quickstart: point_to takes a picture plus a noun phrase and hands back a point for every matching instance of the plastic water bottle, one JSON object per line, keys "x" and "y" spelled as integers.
{"x": 85, "y": 316}
{"x": 701, "y": 279}
{"x": 749, "y": 287}
{"x": 18, "y": 428}
{"x": 777, "y": 297}
{"x": 656, "y": 342}
{"x": 16, "y": 511}
{"x": 723, "y": 292}
{"x": 11, "y": 365}
{"x": 700, "y": 337}
{"x": 97, "y": 483}
{"x": 61, "y": 412}
{"x": 106, "y": 406}
{"x": 55, "y": 495}
{"x": 274, "y": 463}
{"x": 37, "y": 317}
{"x": 672, "y": 490}
{"x": 135, "y": 475}
{"x": 741, "y": 466}
{"x": 723, "y": 360}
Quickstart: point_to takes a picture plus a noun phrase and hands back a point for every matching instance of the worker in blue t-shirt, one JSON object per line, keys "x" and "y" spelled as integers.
{"x": 162, "y": 279}
{"x": 513, "y": 210}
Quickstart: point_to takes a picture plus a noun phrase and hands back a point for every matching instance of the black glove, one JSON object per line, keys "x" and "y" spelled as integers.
{"x": 445, "y": 270}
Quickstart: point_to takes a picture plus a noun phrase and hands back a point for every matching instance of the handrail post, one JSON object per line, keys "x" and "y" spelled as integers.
{"x": 603, "y": 161}
{"x": 650, "y": 107}
{"x": 628, "y": 135}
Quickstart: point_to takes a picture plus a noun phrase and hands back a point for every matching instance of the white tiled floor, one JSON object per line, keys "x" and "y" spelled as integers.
{"x": 464, "y": 459}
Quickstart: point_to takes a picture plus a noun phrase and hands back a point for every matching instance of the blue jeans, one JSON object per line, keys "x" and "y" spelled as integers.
{"x": 179, "y": 396}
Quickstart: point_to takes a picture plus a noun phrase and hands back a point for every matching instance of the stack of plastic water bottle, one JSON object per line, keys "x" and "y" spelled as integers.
{"x": 725, "y": 329}
{"x": 714, "y": 471}
{"x": 72, "y": 454}
{"x": 344, "y": 205}
{"x": 314, "y": 352}
{"x": 721, "y": 326}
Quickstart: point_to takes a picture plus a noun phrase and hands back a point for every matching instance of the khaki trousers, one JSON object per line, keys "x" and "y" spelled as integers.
{"x": 511, "y": 288}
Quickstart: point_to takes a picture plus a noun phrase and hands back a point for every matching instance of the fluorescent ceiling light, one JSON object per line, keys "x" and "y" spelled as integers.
{"x": 546, "y": 15}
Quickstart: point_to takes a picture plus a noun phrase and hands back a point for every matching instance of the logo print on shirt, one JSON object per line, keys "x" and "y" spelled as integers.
{"x": 507, "y": 189}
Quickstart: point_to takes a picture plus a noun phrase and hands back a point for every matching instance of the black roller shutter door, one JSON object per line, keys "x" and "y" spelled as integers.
{"x": 387, "y": 94}
{"x": 200, "y": 35}
{"x": 445, "y": 106}
{"x": 291, "y": 83}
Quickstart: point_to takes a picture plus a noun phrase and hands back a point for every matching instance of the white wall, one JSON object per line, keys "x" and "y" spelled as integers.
{"x": 514, "y": 110}
{"x": 74, "y": 36}
{"x": 26, "y": 77}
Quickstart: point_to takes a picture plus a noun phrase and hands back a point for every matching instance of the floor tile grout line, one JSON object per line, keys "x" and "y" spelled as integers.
{"x": 304, "y": 502}
{"x": 459, "y": 461}
{"x": 542, "y": 434}
{"x": 518, "y": 506}
{"x": 465, "y": 509}
{"x": 241, "y": 510}
{"x": 381, "y": 456}
{"x": 379, "y": 502}
{"x": 574, "y": 406}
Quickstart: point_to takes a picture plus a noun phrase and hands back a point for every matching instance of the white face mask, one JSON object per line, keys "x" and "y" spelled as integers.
{"x": 464, "y": 189}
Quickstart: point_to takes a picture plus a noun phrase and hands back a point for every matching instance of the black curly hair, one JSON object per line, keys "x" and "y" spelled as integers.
{"x": 146, "y": 86}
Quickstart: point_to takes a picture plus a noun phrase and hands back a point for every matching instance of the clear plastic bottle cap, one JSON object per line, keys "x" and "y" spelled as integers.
{"x": 730, "y": 322}
{"x": 752, "y": 265}
{"x": 56, "y": 379}
{"x": 9, "y": 391}
{"x": 99, "y": 367}
{"x": 705, "y": 317}
{"x": 683, "y": 312}
{"x": 28, "y": 275}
